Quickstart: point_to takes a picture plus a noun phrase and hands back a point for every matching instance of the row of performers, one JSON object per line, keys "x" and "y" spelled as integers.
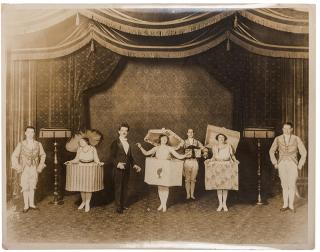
{"x": 85, "y": 172}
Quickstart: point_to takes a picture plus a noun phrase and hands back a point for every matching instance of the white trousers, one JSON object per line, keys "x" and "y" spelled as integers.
{"x": 288, "y": 173}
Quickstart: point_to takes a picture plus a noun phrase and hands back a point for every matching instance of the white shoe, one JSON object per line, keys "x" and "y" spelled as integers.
{"x": 219, "y": 208}
{"x": 87, "y": 208}
{"x": 192, "y": 197}
{"x": 160, "y": 207}
{"x": 225, "y": 208}
{"x": 164, "y": 209}
{"x": 81, "y": 206}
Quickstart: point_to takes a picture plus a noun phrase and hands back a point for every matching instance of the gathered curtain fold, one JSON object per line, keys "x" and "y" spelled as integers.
{"x": 137, "y": 46}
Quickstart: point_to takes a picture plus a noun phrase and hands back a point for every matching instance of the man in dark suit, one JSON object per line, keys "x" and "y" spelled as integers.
{"x": 122, "y": 160}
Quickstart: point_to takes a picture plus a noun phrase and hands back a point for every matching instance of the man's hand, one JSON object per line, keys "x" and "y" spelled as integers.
{"x": 299, "y": 167}
{"x": 39, "y": 169}
{"x": 205, "y": 153}
{"x": 137, "y": 168}
{"x": 19, "y": 169}
{"x": 121, "y": 165}
{"x": 188, "y": 155}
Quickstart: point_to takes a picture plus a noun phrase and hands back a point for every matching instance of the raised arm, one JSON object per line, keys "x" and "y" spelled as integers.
{"x": 149, "y": 152}
{"x": 303, "y": 153}
{"x": 176, "y": 154}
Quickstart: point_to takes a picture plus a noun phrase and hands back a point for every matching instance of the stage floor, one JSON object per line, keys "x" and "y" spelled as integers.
{"x": 192, "y": 222}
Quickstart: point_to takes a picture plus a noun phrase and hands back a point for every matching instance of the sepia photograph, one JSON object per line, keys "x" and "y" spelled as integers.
{"x": 158, "y": 126}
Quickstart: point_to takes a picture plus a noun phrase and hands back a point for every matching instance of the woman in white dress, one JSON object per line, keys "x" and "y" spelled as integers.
{"x": 162, "y": 152}
{"x": 220, "y": 173}
{"x": 85, "y": 173}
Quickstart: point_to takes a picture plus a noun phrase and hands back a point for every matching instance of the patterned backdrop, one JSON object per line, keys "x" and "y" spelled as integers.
{"x": 151, "y": 94}
{"x": 231, "y": 88}
{"x": 61, "y": 83}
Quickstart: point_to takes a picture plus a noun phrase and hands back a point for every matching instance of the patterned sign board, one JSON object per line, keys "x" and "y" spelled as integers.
{"x": 163, "y": 172}
{"x": 232, "y": 135}
{"x": 153, "y": 135}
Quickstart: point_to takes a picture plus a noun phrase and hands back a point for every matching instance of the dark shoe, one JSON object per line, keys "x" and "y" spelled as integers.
{"x": 283, "y": 209}
{"x": 34, "y": 208}
{"x": 119, "y": 211}
{"x": 125, "y": 208}
{"x": 25, "y": 210}
{"x": 292, "y": 210}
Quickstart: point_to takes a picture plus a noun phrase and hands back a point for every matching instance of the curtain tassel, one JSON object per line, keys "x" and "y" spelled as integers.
{"x": 92, "y": 46}
{"x": 235, "y": 22}
{"x": 228, "y": 41}
{"x": 77, "y": 19}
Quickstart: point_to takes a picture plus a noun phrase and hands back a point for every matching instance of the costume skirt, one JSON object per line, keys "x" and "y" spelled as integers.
{"x": 84, "y": 177}
{"x": 221, "y": 175}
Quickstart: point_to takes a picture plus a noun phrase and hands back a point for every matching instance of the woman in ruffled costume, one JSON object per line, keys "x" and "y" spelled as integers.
{"x": 84, "y": 172}
{"x": 222, "y": 176}
{"x": 162, "y": 152}
{"x": 28, "y": 159}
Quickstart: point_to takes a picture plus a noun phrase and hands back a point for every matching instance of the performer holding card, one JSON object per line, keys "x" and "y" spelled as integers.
{"x": 162, "y": 152}
{"x": 221, "y": 172}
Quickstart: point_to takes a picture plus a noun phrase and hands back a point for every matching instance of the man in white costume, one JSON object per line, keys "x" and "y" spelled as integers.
{"x": 28, "y": 159}
{"x": 288, "y": 146}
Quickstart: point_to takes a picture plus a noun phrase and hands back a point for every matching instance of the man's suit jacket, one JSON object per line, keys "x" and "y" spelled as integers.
{"x": 118, "y": 155}
{"x": 289, "y": 151}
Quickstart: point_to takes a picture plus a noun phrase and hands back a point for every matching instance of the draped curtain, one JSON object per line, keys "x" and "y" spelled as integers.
{"x": 62, "y": 82}
{"x": 57, "y": 54}
{"x": 50, "y": 94}
{"x": 269, "y": 90}
{"x": 179, "y": 33}
{"x": 295, "y": 98}
{"x": 21, "y": 109}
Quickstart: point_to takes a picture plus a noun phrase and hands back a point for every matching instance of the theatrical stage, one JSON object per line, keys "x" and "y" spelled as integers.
{"x": 186, "y": 222}
{"x": 77, "y": 69}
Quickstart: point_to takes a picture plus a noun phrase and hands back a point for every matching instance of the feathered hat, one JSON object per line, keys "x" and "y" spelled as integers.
{"x": 94, "y": 137}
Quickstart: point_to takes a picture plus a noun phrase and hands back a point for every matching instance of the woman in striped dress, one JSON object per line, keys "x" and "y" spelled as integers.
{"x": 85, "y": 173}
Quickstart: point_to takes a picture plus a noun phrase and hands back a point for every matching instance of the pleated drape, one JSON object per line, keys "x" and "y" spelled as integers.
{"x": 295, "y": 98}
{"x": 21, "y": 110}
